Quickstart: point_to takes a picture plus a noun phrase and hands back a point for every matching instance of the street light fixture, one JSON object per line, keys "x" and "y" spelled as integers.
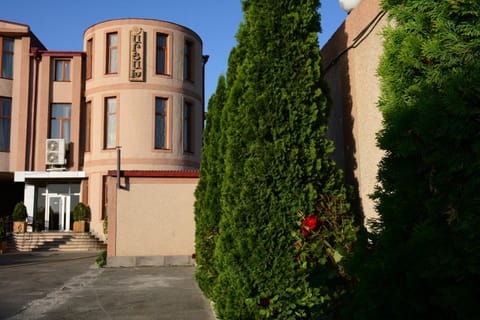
{"x": 348, "y": 5}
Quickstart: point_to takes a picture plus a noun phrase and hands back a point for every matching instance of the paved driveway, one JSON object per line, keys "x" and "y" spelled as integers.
{"x": 70, "y": 286}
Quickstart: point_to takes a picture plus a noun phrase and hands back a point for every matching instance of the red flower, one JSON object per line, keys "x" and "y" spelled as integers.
{"x": 298, "y": 245}
{"x": 308, "y": 225}
{"x": 193, "y": 255}
{"x": 264, "y": 302}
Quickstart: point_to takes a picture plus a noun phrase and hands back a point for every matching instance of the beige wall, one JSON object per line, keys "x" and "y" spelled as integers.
{"x": 155, "y": 217}
{"x": 32, "y": 94}
{"x": 19, "y": 92}
{"x": 50, "y": 91}
{"x": 95, "y": 202}
{"x": 355, "y": 119}
{"x": 136, "y": 100}
{"x": 136, "y": 122}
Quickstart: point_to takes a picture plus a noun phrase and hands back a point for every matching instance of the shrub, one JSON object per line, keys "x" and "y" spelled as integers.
{"x": 81, "y": 212}
{"x": 102, "y": 259}
{"x": 424, "y": 258}
{"x": 19, "y": 212}
{"x": 3, "y": 231}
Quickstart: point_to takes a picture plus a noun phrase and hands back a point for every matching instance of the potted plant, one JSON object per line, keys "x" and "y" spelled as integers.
{"x": 19, "y": 217}
{"x": 3, "y": 237}
{"x": 81, "y": 214}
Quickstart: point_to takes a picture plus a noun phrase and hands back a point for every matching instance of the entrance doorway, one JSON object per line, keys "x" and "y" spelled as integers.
{"x": 53, "y": 207}
{"x": 57, "y": 217}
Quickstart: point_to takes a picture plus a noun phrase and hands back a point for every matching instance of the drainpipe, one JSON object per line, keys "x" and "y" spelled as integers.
{"x": 118, "y": 166}
{"x": 37, "y": 56}
{"x": 205, "y": 60}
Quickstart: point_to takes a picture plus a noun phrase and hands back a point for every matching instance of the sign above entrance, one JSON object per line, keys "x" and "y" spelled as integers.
{"x": 137, "y": 38}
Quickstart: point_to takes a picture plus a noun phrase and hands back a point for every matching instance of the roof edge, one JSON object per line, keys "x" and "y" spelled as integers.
{"x": 156, "y": 174}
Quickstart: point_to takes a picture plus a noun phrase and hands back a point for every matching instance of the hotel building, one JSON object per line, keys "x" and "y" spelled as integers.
{"x": 117, "y": 126}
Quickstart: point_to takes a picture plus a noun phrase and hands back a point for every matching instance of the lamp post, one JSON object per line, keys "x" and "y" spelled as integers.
{"x": 348, "y": 5}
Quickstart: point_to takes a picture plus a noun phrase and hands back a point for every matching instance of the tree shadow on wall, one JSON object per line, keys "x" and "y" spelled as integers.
{"x": 341, "y": 120}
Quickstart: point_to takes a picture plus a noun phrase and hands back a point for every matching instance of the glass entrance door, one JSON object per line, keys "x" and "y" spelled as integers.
{"x": 57, "y": 213}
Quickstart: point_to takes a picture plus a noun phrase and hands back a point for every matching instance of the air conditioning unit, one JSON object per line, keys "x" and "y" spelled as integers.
{"x": 55, "y": 154}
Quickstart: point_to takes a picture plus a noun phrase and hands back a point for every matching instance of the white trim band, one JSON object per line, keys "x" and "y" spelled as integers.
{"x": 21, "y": 176}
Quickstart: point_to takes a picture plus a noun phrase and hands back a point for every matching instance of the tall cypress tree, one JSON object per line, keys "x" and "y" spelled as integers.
{"x": 208, "y": 194}
{"x": 285, "y": 222}
{"x": 425, "y": 260}
{"x": 207, "y": 204}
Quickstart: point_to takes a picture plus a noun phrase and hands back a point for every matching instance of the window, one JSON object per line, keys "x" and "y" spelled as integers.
{"x": 5, "y": 122}
{"x": 161, "y": 53}
{"x": 110, "y": 123}
{"x": 89, "y": 58}
{"x": 105, "y": 197}
{"x": 112, "y": 52}
{"x": 87, "y": 127}
{"x": 6, "y": 63}
{"x": 62, "y": 70}
{"x": 160, "y": 123}
{"x": 188, "y": 61}
{"x": 60, "y": 121}
{"x": 188, "y": 127}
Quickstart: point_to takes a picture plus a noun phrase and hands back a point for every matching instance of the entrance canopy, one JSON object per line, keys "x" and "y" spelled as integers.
{"x": 21, "y": 176}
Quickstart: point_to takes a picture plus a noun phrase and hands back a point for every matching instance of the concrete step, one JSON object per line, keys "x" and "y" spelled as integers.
{"x": 54, "y": 241}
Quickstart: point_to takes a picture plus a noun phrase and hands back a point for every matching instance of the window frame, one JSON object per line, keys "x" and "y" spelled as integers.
{"x": 89, "y": 62}
{"x": 65, "y": 75}
{"x": 163, "y": 50}
{"x": 188, "y": 60}
{"x": 188, "y": 127}
{"x": 62, "y": 120}
{"x": 88, "y": 126}
{"x": 104, "y": 197}
{"x": 110, "y": 49}
{"x": 3, "y": 54}
{"x": 165, "y": 116}
{"x": 106, "y": 128}
{"x": 7, "y": 118}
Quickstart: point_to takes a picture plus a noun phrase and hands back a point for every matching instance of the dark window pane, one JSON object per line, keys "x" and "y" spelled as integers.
{"x": 161, "y": 67}
{"x": 58, "y": 70}
{"x": 187, "y": 127}
{"x": 60, "y": 121}
{"x": 67, "y": 71}
{"x": 160, "y": 123}
{"x": 188, "y": 61}
{"x": 7, "y": 58}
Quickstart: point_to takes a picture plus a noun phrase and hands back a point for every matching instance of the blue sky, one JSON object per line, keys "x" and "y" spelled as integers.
{"x": 60, "y": 24}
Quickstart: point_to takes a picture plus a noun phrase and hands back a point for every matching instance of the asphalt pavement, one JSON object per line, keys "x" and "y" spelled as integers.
{"x": 53, "y": 285}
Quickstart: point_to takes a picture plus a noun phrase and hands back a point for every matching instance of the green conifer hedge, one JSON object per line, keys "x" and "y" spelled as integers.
{"x": 425, "y": 258}
{"x": 285, "y": 226}
{"x": 208, "y": 192}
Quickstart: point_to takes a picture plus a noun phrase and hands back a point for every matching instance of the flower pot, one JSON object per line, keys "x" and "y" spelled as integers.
{"x": 80, "y": 226}
{"x": 3, "y": 247}
{"x": 19, "y": 226}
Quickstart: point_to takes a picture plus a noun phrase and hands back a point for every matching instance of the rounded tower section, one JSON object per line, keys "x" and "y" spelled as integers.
{"x": 144, "y": 95}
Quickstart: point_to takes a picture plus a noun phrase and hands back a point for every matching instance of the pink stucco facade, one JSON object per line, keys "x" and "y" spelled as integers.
{"x": 350, "y": 59}
{"x": 136, "y": 88}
